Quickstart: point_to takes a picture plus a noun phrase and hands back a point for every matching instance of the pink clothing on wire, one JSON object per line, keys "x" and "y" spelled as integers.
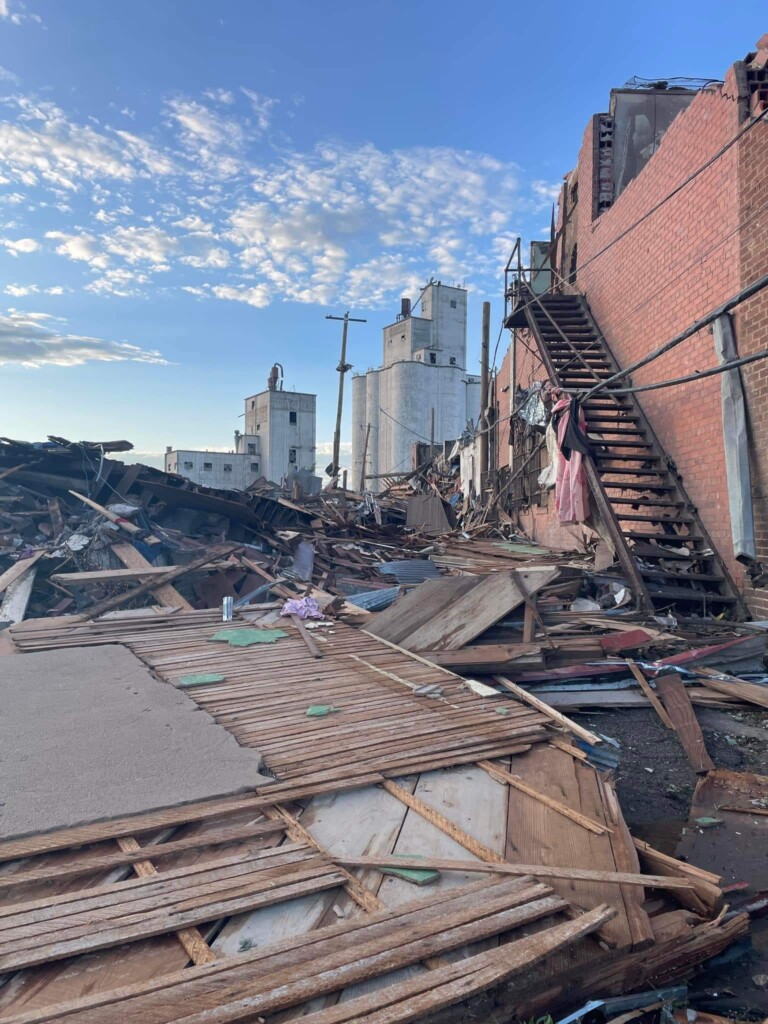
{"x": 571, "y": 488}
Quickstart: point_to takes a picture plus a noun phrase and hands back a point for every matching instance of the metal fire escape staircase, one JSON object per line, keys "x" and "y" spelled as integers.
{"x": 665, "y": 553}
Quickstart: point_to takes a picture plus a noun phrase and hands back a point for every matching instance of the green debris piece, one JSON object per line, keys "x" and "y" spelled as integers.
{"x": 246, "y": 637}
{"x": 520, "y": 549}
{"x": 200, "y": 679}
{"x": 320, "y": 710}
{"x": 708, "y": 822}
{"x": 413, "y": 875}
{"x": 501, "y": 711}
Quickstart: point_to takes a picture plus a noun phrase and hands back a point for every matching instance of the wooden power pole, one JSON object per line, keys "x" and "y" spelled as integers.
{"x": 333, "y": 471}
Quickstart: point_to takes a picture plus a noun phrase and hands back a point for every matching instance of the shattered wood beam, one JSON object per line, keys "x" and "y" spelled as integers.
{"x": 123, "y": 523}
{"x": 645, "y": 686}
{"x": 501, "y": 775}
{"x": 537, "y": 870}
{"x": 18, "y": 569}
{"x": 165, "y": 593}
{"x": 545, "y": 709}
{"x": 117, "y": 599}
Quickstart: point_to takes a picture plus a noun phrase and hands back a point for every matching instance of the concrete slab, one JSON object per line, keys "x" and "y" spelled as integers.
{"x": 88, "y": 733}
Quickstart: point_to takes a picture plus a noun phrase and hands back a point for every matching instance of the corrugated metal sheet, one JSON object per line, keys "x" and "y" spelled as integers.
{"x": 410, "y": 570}
{"x": 375, "y": 600}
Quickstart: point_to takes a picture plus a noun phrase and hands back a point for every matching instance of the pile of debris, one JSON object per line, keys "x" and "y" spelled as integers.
{"x": 436, "y": 745}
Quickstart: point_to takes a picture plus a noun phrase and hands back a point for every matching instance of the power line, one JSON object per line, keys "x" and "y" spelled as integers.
{"x": 694, "y": 328}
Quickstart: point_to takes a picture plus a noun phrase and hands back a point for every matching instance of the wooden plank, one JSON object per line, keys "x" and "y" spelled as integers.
{"x": 537, "y": 870}
{"x": 18, "y": 569}
{"x": 489, "y": 658}
{"x": 192, "y": 942}
{"x": 81, "y": 835}
{"x": 646, "y": 688}
{"x": 353, "y": 822}
{"x": 683, "y": 717}
{"x": 492, "y": 597}
{"x": 13, "y": 607}
{"x": 419, "y": 997}
{"x": 12, "y": 469}
{"x": 166, "y": 593}
{"x": 751, "y": 693}
{"x": 309, "y": 641}
{"x": 157, "y": 997}
{"x": 173, "y": 573}
{"x": 538, "y": 834}
{"x": 108, "y": 575}
{"x": 504, "y": 776}
{"x": 428, "y": 601}
{"x": 124, "y": 524}
{"x": 92, "y": 863}
{"x": 550, "y": 712}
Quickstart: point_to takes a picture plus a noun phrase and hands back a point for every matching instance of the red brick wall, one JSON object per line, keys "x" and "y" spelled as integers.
{"x": 752, "y": 329}
{"x": 681, "y": 262}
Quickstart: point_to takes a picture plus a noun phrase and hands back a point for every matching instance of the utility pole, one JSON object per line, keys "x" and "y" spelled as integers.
{"x": 485, "y": 355}
{"x": 342, "y": 368}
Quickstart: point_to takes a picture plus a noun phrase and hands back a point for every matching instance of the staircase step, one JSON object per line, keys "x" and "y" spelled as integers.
{"x": 636, "y": 518}
{"x": 667, "y": 538}
{"x": 653, "y": 502}
{"x": 622, "y": 485}
{"x": 629, "y": 471}
{"x": 697, "y": 577}
{"x": 630, "y": 444}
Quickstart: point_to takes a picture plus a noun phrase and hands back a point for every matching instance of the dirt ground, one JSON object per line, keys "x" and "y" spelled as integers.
{"x": 655, "y": 784}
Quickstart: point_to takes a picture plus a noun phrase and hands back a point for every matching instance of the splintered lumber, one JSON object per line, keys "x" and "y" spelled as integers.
{"x": 97, "y": 862}
{"x": 646, "y": 688}
{"x": 505, "y": 868}
{"x": 412, "y": 999}
{"x": 308, "y": 966}
{"x": 18, "y": 569}
{"x": 61, "y": 926}
{"x": 485, "y": 658}
{"x": 706, "y": 898}
{"x": 173, "y": 573}
{"x": 501, "y": 775}
{"x": 309, "y": 641}
{"x": 192, "y": 942}
{"x": 165, "y": 593}
{"x": 204, "y": 810}
{"x": 110, "y": 575}
{"x": 124, "y": 524}
{"x": 680, "y": 710}
{"x": 751, "y": 693}
{"x": 449, "y": 612}
{"x": 13, "y": 606}
{"x": 545, "y": 709}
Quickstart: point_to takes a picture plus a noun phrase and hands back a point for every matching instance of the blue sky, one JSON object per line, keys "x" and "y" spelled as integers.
{"x": 187, "y": 188}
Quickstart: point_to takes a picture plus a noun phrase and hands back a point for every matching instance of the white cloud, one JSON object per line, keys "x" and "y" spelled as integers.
{"x": 548, "y": 192}
{"x": 20, "y": 245}
{"x": 142, "y": 245}
{"x": 79, "y": 247}
{"x": 44, "y": 146}
{"x": 195, "y": 224}
{"x": 20, "y": 290}
{"x": 16, "y": 12}
{"x": 220, "y": 96}
{"x": 262, "y": 107}
{"x": 199, "y": 124}
{"x": 193, "y": 290}
{"x": 28, "y": 339}
{"x": 215, "y": 258}
{"x": 5, "y": 74}
{"x": 257, "y": 296}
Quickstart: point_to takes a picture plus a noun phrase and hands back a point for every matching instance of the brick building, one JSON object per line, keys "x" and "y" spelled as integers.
{"x": 653, "y": 251}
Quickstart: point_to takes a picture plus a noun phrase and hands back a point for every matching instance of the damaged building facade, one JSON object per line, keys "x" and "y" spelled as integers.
{"x": 421, "y": 392}
{"x": 663, "y": 219}
{"x": 278, "y": 443}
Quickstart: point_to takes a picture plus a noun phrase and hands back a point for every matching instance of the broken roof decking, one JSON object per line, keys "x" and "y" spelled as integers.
{"x": 465, "y": 812}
